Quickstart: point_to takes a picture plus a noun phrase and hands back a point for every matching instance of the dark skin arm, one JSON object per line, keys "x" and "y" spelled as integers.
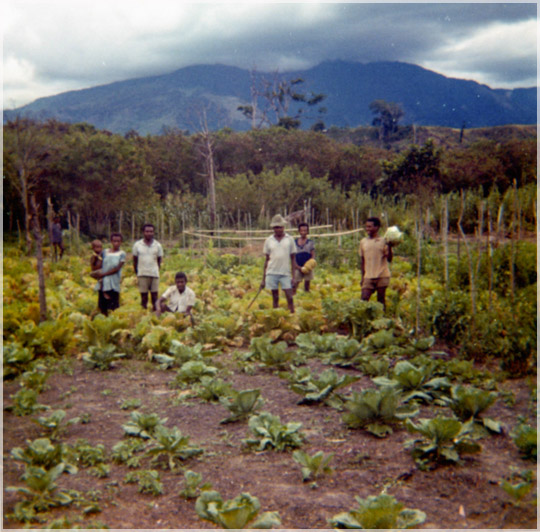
{"x": 135, "y": 263}
{"x": 111, "y": 271}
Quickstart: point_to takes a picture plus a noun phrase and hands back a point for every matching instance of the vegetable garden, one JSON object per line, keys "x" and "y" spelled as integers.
{"x": 340, "y": 415}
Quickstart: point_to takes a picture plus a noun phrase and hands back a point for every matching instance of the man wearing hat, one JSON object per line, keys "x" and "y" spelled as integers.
{"x": 280, "y": 251}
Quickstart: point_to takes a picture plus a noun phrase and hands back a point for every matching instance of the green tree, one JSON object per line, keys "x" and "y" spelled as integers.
{"x": 416, "y": 169}
{"x": 388, "y": 115}
{"x": 276, "y": 100}
{"x": 30, "y": 149}
{"x": 101, "y": 175}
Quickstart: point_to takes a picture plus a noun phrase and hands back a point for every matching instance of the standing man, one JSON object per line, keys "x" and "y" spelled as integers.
{"x": 56, "y": 231}
{"x": 279, "y": 250}
{"x": 375, "y": 254}
{"x": 147, "y": 256}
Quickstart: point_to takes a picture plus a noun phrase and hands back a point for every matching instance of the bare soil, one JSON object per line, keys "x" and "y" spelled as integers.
{"x": 466, "y": 496}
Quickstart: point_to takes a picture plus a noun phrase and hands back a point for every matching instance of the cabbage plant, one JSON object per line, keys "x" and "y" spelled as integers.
{"x": 376, "y": 512}
{"x": 241, "y": 404}
{"x": 375, "y": 410}
{"x": 236, "y": 513}
{"x": 142, "y": 425}
{"x": 43, "y": 453}
{"x": 315, "y": 465}
{"x": 269, "y": 432}
{"x": 468, "y": 402}
{"x": 171, "y": 443}
{"x": 320, "y": 389}
{"x": 443, "y": 440}
{"x": 415, "y": 382}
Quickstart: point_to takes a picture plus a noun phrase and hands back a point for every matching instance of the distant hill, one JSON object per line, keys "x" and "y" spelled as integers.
{"x": 148, "y": 105}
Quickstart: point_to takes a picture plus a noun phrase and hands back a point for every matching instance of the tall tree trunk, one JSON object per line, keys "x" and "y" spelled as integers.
{"x": 27, "y": 216}
{"x": 38, "y": 239}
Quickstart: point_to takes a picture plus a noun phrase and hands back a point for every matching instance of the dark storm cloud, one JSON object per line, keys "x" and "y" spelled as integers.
{"x": 58, "y": 45}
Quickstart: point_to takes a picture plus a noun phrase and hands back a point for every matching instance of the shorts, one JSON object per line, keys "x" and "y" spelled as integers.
{"x": 273, "y": 280}
{"x": 299, "y": 276}
{"x": 378, "y": 282}
{"x": 148, "y": 284}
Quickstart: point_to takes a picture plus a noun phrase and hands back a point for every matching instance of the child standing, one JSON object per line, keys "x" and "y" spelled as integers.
{"x": 110, "y": 275}
{"x": 305, "y": 250}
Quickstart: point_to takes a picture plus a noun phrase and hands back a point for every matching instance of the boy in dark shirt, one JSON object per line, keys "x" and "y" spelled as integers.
{"x": 305, "y": 250}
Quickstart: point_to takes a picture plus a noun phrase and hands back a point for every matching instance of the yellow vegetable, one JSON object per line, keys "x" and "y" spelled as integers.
{"x": 309, "y": 266}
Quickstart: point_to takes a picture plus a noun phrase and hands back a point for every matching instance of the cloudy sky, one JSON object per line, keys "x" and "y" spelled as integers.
{"x": 51, "y": 46}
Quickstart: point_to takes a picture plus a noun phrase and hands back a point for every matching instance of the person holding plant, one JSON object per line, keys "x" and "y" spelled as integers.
{"x": 305, "y": 250}
{"x": 178, "y": 298}
{"x": 375, "y": 254}
{"x": 279, "y": 250}
{"x": 147, "y": 257}
{"x": 110, "y": 275}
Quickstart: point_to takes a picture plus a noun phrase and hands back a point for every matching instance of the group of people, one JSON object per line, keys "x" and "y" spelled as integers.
{"x": 285, "y": 267}
{"x": 285, "y": 260}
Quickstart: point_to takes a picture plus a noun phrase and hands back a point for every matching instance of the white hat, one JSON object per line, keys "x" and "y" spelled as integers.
{"x": 278, "y": 221}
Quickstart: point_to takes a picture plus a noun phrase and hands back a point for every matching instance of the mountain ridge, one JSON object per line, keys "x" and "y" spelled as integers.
{"x": 176, "y": 99}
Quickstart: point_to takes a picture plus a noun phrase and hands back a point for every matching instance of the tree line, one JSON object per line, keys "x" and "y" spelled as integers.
{"x": 98, "y": 180}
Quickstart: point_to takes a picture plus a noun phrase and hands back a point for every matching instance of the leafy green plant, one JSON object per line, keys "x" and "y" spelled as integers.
{"x": 148, "y": 481}
{"x": 375, "y": 410}
{"x": 102, "y": 357}
{"x": 142, "y": 425}
{"x": 415, "y": 382}
{"x": 158, "y": 340}
{"x": 320, "y": 389}
{"x": 193, "y": 485}
{"x": 100, "y": 470}
{"x": 43, "y": 453}
{"x": 343, "y": 353}
{"x": 517, "y": 491}
{"x": 179, "y": 353}
{"x": 124, "y": 452}
{"x": 208, "y": 332}
{"x": 311, "y": 343}
{"x": 192, "y": 372}
{"x": 443, "y": 440}
{"x": 315, "y": 465}
{"x": 381, "y": 511}
{"x": 131, "y": 404}
{"x": 40, "y": 491}
{"x": 236, "y": 513}
{"x": 104, "y": 330}
{"x": 374, "y": 366}
{"x": 269, "y": 432}
{"x": 241, "y": 404}
{"x": 35, "y": 379}
{"x": 526, "y": 438}
{"x": 212, "y": 389}
{"x": 55, "y": 424}
{"x": 89, "y": 454}
{"x": 356, "y": 314}
{"x": 171, "y": 443}
{"x": 270, "y": 354}
{"x": 25, "y": 403}
{"x": 15, "y": 359}
{"x": 468, "y": 403}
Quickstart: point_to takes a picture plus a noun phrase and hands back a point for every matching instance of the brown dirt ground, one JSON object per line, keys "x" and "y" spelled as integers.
{"x": 363, "y": 463}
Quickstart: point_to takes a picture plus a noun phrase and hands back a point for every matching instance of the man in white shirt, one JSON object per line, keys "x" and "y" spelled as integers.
{"x": 147, "y": 256}
{"x": 178, "y": 298}
{"x": 279, "y": 250}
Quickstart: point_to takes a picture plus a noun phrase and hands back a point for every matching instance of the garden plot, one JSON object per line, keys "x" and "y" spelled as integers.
{"x": 161, "y": 425}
